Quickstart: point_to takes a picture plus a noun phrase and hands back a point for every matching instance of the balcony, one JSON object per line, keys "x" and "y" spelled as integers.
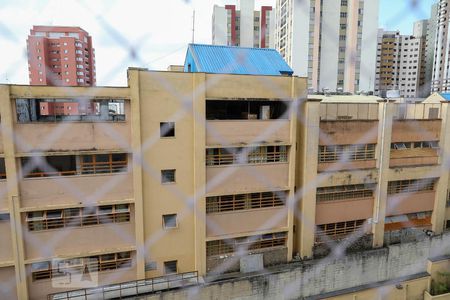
{"x": 348, "y": 132}
{"x": 413, "y": 157}
{"x": 346, "y": 157}
{"x": 416, "y": 130}
{"x": 229, "y": 179}
{"x": 233, "y": 122}
{"x": 71, "y": 125}
{"x": 347, "y": 165}
{"x": 235, "y": 132}
{"x": 79, "y": 239}
{"x": 344, "y": 210}
{"x": 41, "y": 288}
{"x": 405, "y": 203}
{"x": 234, "y": 222}
{"x": 75, "y": 190}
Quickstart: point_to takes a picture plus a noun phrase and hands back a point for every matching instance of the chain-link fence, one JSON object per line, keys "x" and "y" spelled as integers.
{"x": 126, "y": 37}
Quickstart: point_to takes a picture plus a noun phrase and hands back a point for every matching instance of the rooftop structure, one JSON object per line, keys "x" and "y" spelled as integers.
{"x": 234, "y": 60}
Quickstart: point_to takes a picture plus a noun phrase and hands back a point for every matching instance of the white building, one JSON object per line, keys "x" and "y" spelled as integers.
{"x": 401, "y": 62}
{"x": 332, "y": 42}
{"x": 441, "y": 76}
{"x": 241, "y": 25}
{"x": 430, "y": 46}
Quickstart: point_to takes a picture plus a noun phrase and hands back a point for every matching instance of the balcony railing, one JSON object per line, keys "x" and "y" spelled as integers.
{"x": 130, "y": 288}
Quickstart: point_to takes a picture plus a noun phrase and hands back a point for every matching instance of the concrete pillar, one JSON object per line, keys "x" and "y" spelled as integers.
{"x": 134, "y": 84}
{"x": 438, "y": 217}
{"x": 385, "y": 116}
{"x": 307, "y": 151}
{"x": 199, "y": 113}
{"x": 6, "y": 113}
{"x": 298, "y": 92}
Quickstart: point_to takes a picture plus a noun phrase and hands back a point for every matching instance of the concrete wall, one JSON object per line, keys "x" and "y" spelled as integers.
{"x": 235, "y": 132}
{"x": 322, "y": 276}
{"x": 230, "y": 179}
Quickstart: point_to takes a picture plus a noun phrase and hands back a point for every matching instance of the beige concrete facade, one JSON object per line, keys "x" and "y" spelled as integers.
{"x": 219, "y": 185}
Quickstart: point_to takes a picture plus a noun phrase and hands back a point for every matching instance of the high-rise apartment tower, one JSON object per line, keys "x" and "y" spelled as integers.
{"x": 243, "y": 26}
{"x": 331, "y": 42}
{"x": 60, "y": 56}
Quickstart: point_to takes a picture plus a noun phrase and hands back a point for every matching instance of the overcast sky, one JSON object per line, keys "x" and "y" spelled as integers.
{"x": 151, "y": 33}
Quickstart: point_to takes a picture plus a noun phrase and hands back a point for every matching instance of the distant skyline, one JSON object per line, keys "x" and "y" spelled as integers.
{"x": 142, "y": 34}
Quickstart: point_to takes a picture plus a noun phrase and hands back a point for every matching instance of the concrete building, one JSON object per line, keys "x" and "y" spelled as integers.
{"x": 430, "y": 46}
{"x": 243, "y": 26}
{"x": 330, "y": 42}
{"x": 401, "y": 62}
{"x": 206, "y": 173}
{"x": 441, "y": 76}
{"x": 60, "y": 56}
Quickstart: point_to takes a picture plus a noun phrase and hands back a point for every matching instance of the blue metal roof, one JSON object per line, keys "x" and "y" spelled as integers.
{"x": 235, "y": 60}
{"x": 446, "y": 96}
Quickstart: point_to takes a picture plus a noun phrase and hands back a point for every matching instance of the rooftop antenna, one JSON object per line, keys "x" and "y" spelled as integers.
{"x": 193, "y": 26}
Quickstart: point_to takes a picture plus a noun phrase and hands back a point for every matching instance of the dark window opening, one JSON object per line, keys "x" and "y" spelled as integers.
{"x": 2, "y": 169}
{"x": 72, "y": 110}
{"x": 66, "y": 165}
{"x": 167, "y": 176}
{"x": 170, "y": 221}
{"x": 45, "y": 166}
{"x": 167, "y": 129}
{"x": 246, "y": 110}
{"x": 170, "y": 267}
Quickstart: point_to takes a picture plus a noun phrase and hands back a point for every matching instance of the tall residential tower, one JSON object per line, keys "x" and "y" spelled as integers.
{"x": 401, "y": 62}
{"x": 333, "y": 43}
{"x": 60, "y": 56}
{"x": 441, "y": 75}
{"x": 243, "y": 26}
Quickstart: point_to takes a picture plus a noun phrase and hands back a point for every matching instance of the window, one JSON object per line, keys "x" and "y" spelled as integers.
{"x": 104, "y": 163}
{"x": 77, "y": 217}
{"x": 168, "y": 176}
{"x": 337, "y": 230}
{"x": 433, "y": 113}
{"x": 167, "y": 129}
{"x": 246, "y": 110}
{"x": 2, "y": 169}
{"x": 170, "y": 221}
{"x": 255, "y": 155}
{"x": 170, "y": 267}
{"x": 245, "y": 201}
{"x": 151, "y": 266}
{"x": 4, "y": 217}
{"x": 411, "y": 186}
{"x": 344, "y": 192}
{"x": 112, "y": 261}
{"x": 333, "y": 153}
{"x": 72, "y": 109}
{"x": 246, "y": 243}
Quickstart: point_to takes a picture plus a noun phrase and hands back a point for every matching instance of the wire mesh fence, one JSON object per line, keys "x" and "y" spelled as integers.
{"x": 70, "y": 172}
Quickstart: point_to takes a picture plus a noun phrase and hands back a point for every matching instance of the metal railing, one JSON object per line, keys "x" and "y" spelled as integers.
{"x": 130, "y": 288}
